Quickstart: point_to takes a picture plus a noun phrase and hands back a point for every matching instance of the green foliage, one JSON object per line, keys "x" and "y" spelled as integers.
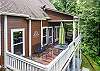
{"x": 89, "y": 12}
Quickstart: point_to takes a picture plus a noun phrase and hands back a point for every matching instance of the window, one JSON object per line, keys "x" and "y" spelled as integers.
{"x": 56, "y": 33}
{"x": 47, "y": 36}
{"x": 45, "y": 39}
{"x": 17, "y": 44}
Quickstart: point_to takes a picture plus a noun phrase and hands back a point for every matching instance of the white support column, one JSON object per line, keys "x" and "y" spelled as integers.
{"x": 5, "y": 40}
{"x": 73, "y": 63}
{"x": 41, "y": 34}
{"x": 74, "y": 30}
{"x": 30, "y": 37}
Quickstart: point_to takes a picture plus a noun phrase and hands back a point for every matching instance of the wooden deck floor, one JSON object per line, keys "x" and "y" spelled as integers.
{"x": 46, "y": 56}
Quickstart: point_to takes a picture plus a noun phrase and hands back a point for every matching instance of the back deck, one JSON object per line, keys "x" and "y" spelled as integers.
{"x": 52, "y": 59}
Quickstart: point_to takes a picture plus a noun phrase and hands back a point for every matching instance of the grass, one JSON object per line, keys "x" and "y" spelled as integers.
{"x": 88, "y": 62}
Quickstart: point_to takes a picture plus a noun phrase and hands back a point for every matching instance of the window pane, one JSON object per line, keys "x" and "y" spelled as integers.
{"x": 44, "y": 32}
{"x": 44, "y": 40}
{"x": 50, "y": 39}
{"x": 17, "y": 37}
{"x": 18, "y": 49}
{"x": 50, "y": 31}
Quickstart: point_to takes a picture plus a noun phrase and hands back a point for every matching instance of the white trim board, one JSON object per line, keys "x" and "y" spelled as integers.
{"x": 16, "y": 30}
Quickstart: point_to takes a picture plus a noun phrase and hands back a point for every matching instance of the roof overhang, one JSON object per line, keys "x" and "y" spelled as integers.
{"x": 75, "y": 17}
{"x": 59, "y": 12}
{"x": 23, "y": 15}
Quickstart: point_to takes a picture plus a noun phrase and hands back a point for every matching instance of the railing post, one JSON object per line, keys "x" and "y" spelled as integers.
{"x": 75, "y": 22}
{"x": 74, "y": 31}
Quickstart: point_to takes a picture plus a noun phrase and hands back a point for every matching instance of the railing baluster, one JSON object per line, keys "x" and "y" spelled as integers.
{"x": 21, "y": 65}
{"x": 8, "y": 60}
{"x": 11, "y": 61}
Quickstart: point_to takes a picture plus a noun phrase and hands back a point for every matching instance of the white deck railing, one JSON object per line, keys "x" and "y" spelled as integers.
{"x": 64, "y": 57}
{"x": 19, "y": 63}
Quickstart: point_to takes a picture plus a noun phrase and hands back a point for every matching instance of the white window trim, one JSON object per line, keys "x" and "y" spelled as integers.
{"x": 16, "y": 30}
{"x": 56, "y": 39}
{"x": 46, "y": 35}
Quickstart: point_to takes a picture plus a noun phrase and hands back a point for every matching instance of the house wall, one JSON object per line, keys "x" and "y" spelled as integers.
{"x": 58, "y": 16}
{"x": 36, "y": 35}
{"x": 18, "y": 23}
{"x": 45, "y": 23}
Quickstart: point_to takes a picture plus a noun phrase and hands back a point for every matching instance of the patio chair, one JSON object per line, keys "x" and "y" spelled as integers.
{"x": 39, "y": 50}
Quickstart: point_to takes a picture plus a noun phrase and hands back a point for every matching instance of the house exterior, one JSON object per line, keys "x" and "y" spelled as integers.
{"x": 28, "y": 28}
